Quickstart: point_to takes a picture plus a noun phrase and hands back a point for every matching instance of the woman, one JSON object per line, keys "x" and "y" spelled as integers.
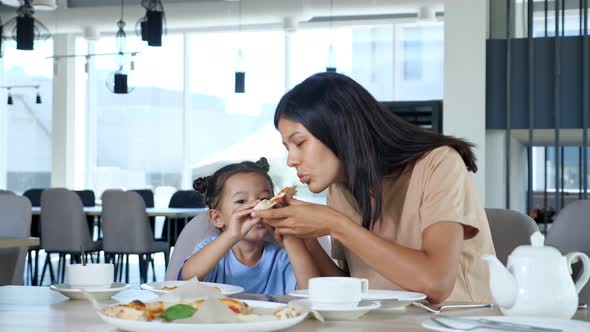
{"x": 402, "y": 209}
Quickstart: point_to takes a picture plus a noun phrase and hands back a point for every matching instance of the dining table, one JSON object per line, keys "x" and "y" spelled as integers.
{"x": 17, "y": 242}
{"x": 32, "y": 308}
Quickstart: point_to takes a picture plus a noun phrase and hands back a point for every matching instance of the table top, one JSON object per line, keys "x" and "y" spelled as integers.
{"x": 16, "y": 242}
{"x": 152, "y": 212}
{"x": 27, "y": 308}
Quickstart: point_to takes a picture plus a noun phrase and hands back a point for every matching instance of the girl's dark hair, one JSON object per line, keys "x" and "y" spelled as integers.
{"x": 369, "y": 140}
{"x": 212, "y": 186}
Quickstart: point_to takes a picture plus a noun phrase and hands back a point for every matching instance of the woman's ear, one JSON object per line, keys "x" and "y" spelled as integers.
{"x": 215, "y": 218}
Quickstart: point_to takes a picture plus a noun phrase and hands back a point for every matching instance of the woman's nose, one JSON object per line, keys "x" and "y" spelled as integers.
{"x": 291, "y": 160}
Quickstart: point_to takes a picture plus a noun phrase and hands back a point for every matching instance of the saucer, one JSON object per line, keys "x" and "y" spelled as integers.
{"x": 342, "y": 313}
{"x": 390, "y": 299}
{"x": 99, "y": 293}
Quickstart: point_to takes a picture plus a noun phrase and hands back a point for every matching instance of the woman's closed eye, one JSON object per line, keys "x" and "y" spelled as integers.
{"x": 299, "y": 144}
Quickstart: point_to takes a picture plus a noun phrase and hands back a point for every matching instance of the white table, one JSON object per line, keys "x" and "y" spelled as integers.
{"x": 27, "y": 308}
{"x": 17, "y": 242}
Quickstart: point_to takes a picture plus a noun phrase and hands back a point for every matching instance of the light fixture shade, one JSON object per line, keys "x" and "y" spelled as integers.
{"x": 155, "y": 26}
{"x": 9, "y": 102}
{"x": 38, "y": 99}
{"x": 120, "y": 86}
{"x": 240, "y": 82}
{"x": 25, "y": 33}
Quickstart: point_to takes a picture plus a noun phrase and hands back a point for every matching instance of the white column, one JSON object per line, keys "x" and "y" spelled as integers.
{"x": 91, "y": 118}
{"x": 187, "y": 176}
{"x": 63, "y": 118}
{"x": 3, "y": 129}
{"x": 465, "y": 77}
{"x": 289, "y": 28}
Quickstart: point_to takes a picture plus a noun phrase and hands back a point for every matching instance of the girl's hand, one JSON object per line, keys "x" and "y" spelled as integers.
{"x": 241, "y": 221}
{"x": 300, "y": 218}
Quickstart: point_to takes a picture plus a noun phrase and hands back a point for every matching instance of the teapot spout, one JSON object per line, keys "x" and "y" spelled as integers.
{"x": 503, "y": 285}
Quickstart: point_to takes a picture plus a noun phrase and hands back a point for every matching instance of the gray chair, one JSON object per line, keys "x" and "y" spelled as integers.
{"x": 126, "y": 231}
{"x": 571, "y": 231}
{"x": 64, "y": 230}
{"x": 16, "y": 222}
{"x": 198, "y": 229}
{"x": 509, "y": 229}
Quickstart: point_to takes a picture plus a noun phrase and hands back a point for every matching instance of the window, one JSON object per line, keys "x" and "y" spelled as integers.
{"x": 138, "y": 135}
{"x": 28, "y": 134}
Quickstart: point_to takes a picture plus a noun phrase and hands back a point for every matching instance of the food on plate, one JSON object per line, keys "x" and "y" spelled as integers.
{"x": 169, "y": 312}
{"x": 171, "y": 288}
{"x": 268, "y": 203}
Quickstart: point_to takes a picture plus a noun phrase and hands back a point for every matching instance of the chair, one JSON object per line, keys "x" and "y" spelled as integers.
{"x": 126, "y": 232}
{"x": 64, "y": 229}
{"x": 148, "y": 197}
{"x": 181, "y": 199}
{"x": 509, "y": 229}
{"x": 198, "y": 229}
{"x": 34, "y": 196}
{"x": 6, "y": 192}
{"x": 571, "y": 231}
{"x": 88, "y": 200}
{"x": 16, "y": 222}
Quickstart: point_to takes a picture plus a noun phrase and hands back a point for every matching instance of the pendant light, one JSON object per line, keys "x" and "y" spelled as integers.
{"x": 331, "y": 58}
{"x": 240, "y": 72}
{"x": 24, "y": 28}
{"x": 152, "y": 25}
{"x": 118, "y": 83}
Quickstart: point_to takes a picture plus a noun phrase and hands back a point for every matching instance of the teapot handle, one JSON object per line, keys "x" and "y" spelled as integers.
{"x": 573, "y": 257}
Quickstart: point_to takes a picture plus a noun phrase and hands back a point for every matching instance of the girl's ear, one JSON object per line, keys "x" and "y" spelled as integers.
{"x": 215, "y": 218}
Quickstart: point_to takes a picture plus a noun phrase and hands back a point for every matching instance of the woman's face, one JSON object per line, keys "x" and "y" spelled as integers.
{"x": 316, "y": 165}
{"x": 240, "y": 189}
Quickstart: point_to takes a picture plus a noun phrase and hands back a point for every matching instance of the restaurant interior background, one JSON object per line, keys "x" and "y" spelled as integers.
{"x": 182, "y": 117}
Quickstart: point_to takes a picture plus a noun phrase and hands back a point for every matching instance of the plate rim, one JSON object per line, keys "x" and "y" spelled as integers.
{"x": 123, "y": 286}
{"x": 419, "y": 296}
{"x": 148, "y": 287}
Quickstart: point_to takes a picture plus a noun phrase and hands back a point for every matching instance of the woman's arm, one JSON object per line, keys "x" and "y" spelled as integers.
{"x": 325, "y": 264}
{"x": 201, "y": 263}
{"x": 301, "y": 261}
{"x": 431, "y": 270}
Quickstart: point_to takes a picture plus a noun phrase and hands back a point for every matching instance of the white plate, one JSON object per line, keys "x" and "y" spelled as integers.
{"x": 99, "y": 293}
{"x": 390, "y": 299}
{"x": 339, "y": 313}
{"x": 565, "y": 325}
{"x": 262, "y": 326}
{"x": 157, "y": 286}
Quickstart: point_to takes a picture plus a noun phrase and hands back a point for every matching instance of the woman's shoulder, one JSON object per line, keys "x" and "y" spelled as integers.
{"x": 443, "y": 156}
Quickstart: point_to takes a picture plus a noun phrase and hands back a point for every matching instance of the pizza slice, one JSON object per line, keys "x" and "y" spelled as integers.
{"x": 268, "y": 203}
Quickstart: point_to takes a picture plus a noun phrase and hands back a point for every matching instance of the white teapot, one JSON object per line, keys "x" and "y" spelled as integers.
{"x": 537, "y": 281}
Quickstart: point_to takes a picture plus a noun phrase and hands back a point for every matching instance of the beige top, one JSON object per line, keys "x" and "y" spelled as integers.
{"x": 438, "y": 188}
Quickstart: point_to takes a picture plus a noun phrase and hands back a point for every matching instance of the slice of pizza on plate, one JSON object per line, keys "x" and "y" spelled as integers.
{"x": 268, "y": 203}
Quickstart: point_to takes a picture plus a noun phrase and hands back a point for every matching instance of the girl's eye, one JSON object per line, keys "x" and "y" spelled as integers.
{"x": 240, "y": 201}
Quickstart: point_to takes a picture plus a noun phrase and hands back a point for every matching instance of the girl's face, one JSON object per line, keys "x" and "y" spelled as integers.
{"x": 316, "y": 165}
{"x": 242, "y": 188}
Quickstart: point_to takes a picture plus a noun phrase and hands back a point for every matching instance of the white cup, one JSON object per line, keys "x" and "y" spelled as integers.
{"x": 337, "y": 291}
{"x": 90, "y": 275}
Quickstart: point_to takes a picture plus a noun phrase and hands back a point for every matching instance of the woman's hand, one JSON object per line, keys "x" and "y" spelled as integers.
{"x": 241, "y": 221}
{"x": 301, "y": 219}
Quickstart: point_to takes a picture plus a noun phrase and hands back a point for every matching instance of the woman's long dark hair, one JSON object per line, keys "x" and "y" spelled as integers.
{"x": 370, "y": 141}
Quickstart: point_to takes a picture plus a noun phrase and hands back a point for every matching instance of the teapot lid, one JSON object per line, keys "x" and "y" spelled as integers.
{"x": 536, "y": 249}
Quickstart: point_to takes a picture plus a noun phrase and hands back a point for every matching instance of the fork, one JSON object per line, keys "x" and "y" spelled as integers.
{"x": 494, "y": 326}
{"x": 451, "y": 306}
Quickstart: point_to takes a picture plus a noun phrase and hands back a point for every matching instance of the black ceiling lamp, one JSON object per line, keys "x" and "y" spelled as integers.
{"x": 331, "y": 58}
{"x": 24, "y": 28}
{"x": 38, "y": 98}
{"x": 9, "y": 101}
{"x": 152, "y": 25}
{"x": 119, "y": 82}
{"x": 240, "y": 72}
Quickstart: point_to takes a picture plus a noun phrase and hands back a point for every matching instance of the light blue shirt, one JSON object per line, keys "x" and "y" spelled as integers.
{"x": 272, "y": 275}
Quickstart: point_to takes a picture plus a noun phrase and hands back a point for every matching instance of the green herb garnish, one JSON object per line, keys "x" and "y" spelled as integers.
{"x": 178, "y": 311}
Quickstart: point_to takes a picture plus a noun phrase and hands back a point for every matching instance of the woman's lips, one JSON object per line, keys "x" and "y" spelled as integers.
{"x": 304, "y": 179}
